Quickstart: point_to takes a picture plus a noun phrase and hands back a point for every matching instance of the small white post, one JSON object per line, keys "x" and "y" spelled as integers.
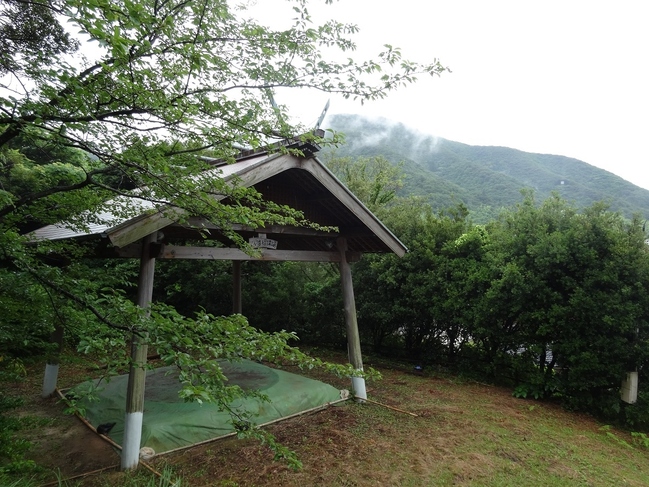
{"x": 629, "y": 390}
{"x": 52, "y": 366}
{"x": 50, "y": 379}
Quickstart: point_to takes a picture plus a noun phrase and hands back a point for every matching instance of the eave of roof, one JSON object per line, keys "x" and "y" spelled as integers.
{"x": 253, "y": 169}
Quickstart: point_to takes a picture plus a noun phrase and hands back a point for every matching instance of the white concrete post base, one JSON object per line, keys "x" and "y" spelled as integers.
{"x": 358, "y": 387}
{"x": 132, "y": 438}
{"x": 49, "y": 380}
{"x": 629, "y": 389}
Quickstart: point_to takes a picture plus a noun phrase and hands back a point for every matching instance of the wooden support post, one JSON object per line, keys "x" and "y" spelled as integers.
{"x": 52, "y": 366}
{"x": 135, "y": 392}
{"x": 353, "y": 337}
{"x": 236, "y": 287}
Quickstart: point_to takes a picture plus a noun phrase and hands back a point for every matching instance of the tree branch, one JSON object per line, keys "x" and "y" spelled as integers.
{"x": 30, "y": 198}
{"x": 76, "y": 299}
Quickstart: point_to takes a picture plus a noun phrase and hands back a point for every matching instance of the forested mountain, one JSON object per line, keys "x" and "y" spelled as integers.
{"x": 484, "y": 178}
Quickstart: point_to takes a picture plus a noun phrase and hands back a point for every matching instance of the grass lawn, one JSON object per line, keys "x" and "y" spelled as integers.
{"x": 464, "y": 434}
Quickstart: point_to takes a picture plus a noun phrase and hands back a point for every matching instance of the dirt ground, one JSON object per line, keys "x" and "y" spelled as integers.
{"x": 64, "y": 445}
{"x": 61, "y": 443}
{"x": 426, "y": 430}
{"x": 68, "y": 444}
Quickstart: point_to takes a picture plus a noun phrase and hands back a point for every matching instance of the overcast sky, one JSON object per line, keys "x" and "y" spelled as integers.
{"x": 567, "y": 77}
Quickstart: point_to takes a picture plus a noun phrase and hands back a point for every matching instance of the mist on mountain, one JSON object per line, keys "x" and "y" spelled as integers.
{"x": 484, "y": 178}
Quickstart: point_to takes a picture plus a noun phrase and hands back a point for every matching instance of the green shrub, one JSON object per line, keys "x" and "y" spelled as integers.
{"x": 12, "y": 449}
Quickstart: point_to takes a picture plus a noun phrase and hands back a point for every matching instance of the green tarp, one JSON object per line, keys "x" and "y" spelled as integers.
{"x": 170, "y": 423}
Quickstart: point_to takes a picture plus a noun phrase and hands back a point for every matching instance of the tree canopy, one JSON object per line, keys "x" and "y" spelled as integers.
{"x": 147, "y": 88}
{"x": 152, "y": 83}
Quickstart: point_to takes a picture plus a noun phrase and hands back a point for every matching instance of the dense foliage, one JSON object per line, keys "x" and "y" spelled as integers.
{"x": 548, "y": 299}
{"x": 579, "y": 284}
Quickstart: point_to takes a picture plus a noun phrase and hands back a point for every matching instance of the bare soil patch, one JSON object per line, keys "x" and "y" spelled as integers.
{"x": 61, "y": 443}
{"x": 464, "y": 434}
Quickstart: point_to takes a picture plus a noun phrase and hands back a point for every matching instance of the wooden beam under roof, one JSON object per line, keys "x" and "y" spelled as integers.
{"x": 202, "y": 223}
{"x": 162, "y": 251}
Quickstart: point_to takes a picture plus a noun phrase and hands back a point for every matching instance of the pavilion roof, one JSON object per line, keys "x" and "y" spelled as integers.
{"x": 303, "y": 183}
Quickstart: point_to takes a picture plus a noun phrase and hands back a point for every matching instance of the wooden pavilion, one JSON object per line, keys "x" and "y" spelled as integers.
{"x": 299, "y": 181}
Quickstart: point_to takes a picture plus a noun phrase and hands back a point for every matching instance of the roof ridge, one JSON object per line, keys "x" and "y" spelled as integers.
{"x": 307, "y": 147}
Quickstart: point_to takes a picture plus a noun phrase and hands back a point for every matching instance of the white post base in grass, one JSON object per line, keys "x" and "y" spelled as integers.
{"x": 358, "y": 386}
{"x": 49, "y": 380}
{"x": 132, "y": 438}
{"x": 629, "y": 389}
